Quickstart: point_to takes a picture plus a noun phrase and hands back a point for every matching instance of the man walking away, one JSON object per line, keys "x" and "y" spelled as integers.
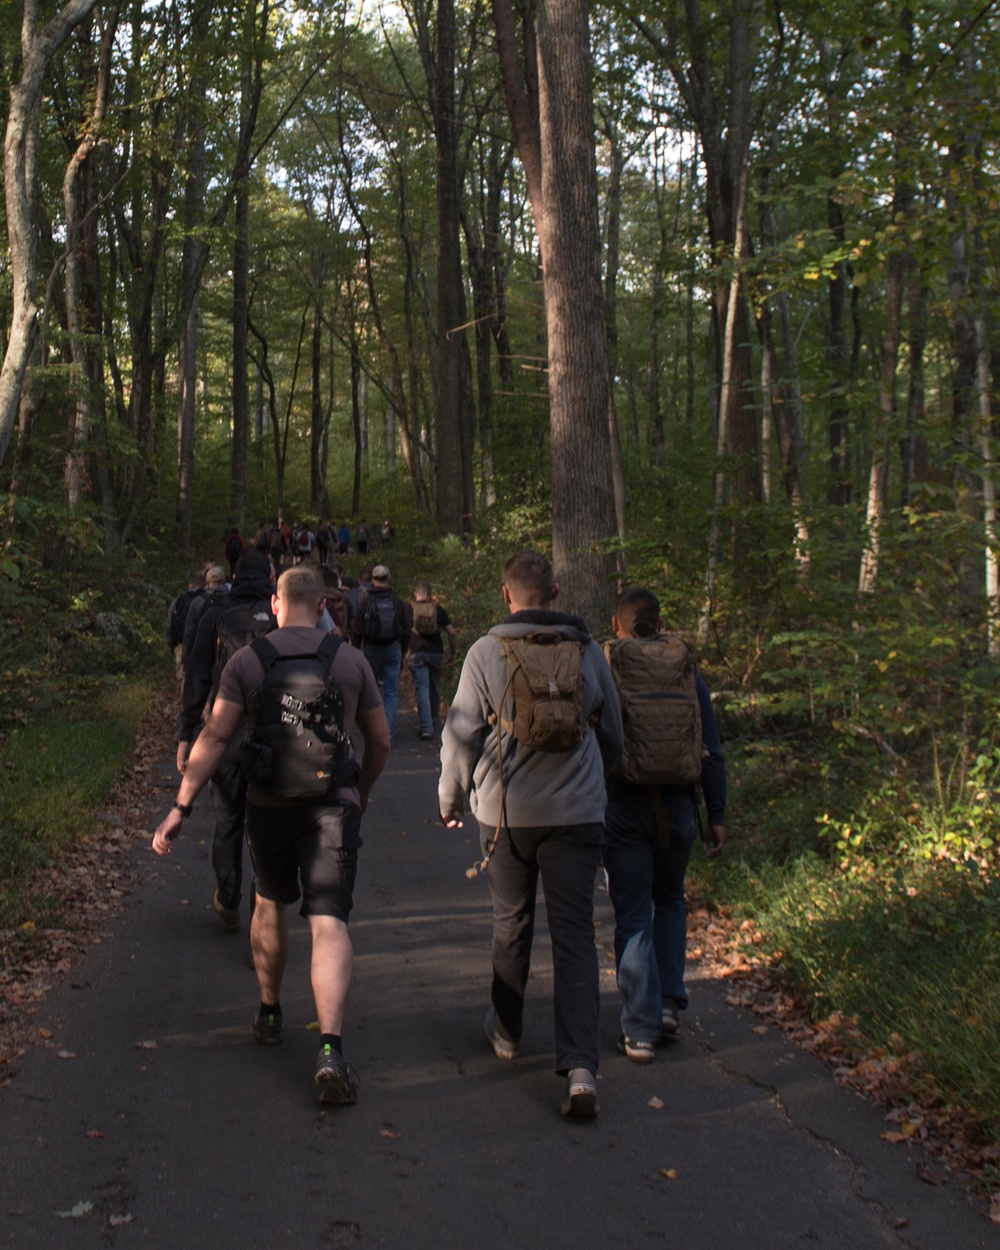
{"x": 536, "y": 772}
{"x": 429, "y": 625}
{"x": 216, "y": 591}
{"x": 382, "y": 629}
{"x": 244, "y": 614}
{"x": 177, "y": 616}
{"x": 671, "y": 749}
{"x": 303, "y": 823}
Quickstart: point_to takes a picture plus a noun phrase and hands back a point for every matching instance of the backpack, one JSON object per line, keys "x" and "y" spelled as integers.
{"x": 545, "y": 679}
{"x": 297, "y": 748}
{"x": 425, "y": 618}
{"x": 303, "y": 540}
{"x": 661, "y": 715}
{"x": 238, "y": 624}
{"x": 276, "y": 542}
{"x": 379, "y": 621}
{"x": 234, "y": 549}
{"x": 178, "y": 615}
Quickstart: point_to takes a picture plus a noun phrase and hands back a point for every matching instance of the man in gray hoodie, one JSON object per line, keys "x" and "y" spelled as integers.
{"x": 541, "y": 812}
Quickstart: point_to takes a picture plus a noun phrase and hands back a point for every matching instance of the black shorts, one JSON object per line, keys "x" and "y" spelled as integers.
{"x": 318, "y": 845}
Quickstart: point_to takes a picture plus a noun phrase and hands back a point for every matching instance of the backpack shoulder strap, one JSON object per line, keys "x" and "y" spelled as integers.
{"x": 328, "y": 648}
{"x": 265, "y": 651}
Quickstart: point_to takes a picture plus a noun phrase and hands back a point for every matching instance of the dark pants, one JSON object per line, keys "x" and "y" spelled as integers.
{"x": 566, "y": 857}
{"x": 229, "y": 802}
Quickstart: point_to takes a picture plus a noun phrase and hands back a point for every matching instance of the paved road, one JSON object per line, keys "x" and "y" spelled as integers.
{"x": 207, "y": 1139}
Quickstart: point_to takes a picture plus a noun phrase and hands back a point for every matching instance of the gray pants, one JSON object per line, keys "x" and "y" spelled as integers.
{"x": 566, "y": 857}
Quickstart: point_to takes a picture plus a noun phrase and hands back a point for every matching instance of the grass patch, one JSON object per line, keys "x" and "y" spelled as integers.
{"x": 56, "y": 771}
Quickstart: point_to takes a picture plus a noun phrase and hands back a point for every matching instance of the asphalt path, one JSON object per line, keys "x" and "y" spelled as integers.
{"x": 151, "y": 1118}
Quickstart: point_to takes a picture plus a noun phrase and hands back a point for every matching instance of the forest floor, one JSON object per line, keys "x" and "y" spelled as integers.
{"x": 99, "y": 878}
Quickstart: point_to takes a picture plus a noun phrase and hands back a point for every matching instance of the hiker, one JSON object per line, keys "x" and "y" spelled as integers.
{"x": 540, "y": 807}
{"x": 303, "y": 824}
{"x": 363, "y": 537}
{"x": 235, "y": 547}
{"x": 177, "y": 616}
{"x": 216, "y": 590}
{"x": 343, "y": 539}
{"x": 387, "y": 533}
{"x": 222, "y": 630}
{"x": 323, "y": 542}
{"x": 671, "y": 749}
{"x": 302, "y": 544}
{"x": 428, "y": 621}
{"x": 277, "y": 545}
{"x": 381, "y": 628}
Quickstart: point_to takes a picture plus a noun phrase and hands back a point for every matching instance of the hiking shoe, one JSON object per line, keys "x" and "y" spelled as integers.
{"x": 338, "y": 1082}
{"x": 636, "y": 1050}
{"x": 229, "y": 917}
{"x": 503, "y": 1047}
{"x": 671, "y": 1024}
{"x": 426, "y": 737}
{"x": 267, "y": 1028}
{"x": 581, "y": 1095}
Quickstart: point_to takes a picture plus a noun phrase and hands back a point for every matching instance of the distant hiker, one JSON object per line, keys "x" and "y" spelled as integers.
{"x": 429, "y": 626}
{"x": 276, "y": 545}
{"x": 260, "y": 539}
{"x": 215, "y": 591}
{"x": 303, "y": 821}
{"x": 671, "y": 751}
{"x": 302, "y": 544}
{"x": 354, "y": 593}
{"x": 344, "y": 539}
{"x": 380, "y": 626}
{"x": 387, "y": 534}
{"x": 323, "y": 542}
{"x": 536, "y": 768}
{"x": 363, "y": 538}
{"x": 223, "y": 629}
{"x": 235, "y": 546}
{"x": 177, "y": 616}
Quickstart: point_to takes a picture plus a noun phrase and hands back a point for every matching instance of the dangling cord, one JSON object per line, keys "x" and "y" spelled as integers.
{"x": 483, "y": 864}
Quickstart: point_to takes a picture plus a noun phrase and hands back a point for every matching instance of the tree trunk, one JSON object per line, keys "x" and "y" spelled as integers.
{"x": 583, "y": 508}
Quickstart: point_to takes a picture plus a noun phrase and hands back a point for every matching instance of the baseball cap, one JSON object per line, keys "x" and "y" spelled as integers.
{"x": 380, "y": 573}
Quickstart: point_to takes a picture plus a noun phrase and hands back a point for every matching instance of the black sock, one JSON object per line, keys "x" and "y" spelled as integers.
{"x": 332, "y": 1039}
{"x": 270, "y": 1009}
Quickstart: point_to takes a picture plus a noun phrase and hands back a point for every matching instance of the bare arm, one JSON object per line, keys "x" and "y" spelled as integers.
{"x": 204, "y": 759}
{"x": 375, "y": 731}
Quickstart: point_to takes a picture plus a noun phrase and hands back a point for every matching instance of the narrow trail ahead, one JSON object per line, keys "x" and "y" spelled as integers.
{"x": 180, "y": 1131}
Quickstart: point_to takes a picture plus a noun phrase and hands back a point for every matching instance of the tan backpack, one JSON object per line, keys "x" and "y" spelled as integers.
{"x": 425, "y": 617}
{"x": 545, "y": 682}
{"x": 661, "y": 715}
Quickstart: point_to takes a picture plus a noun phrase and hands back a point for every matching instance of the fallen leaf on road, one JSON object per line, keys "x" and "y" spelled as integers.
{"x": 389, "y": 1132}
{"x": 760, "y": 1028}
{"x": 81, "y": 1208}
{"x": 46, "y": 1033}
{"x": 93, "y": 1133}
{"x": 995, "y": 1211}
{"x": 117, "y": 1220}
{"x": 145, "y": 1046}
{"x": 669, "y": 1173}
{"x": 66, "y": 1054}
{"x": 655, "y": 1103}
{"x": 902, "y": 1222}
{"x": 893, "y": 1136}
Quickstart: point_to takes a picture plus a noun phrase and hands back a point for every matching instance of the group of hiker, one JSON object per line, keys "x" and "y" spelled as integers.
{"x": 571, "y": 757}
{"x": 292, "y": 544}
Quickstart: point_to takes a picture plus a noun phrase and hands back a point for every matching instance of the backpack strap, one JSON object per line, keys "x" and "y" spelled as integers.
{"x": 265, "y": 651}
{"x": 328, "y": 648}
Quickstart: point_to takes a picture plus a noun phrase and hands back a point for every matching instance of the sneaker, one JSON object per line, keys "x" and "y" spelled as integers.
{"x": 636, "y": 1050}
{"x": 267, "y": 1029}
{"x": 503, "y": 1047}
{"x": 581, "y": 1095}
{"x": 338, "y": 1082}
{"x": 229, "y": 916}
{"x": 426, "y": 737}
{"x": 671, "y": 1024}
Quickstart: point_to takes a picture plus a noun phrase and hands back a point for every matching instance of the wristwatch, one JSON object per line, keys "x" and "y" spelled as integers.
{"x": 184, "y": 809}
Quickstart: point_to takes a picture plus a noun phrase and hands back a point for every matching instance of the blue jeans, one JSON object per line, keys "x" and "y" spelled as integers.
{"x": 385, "y": 659}
{"x": 646, "y": 884}
{"x": 426, "y": 668}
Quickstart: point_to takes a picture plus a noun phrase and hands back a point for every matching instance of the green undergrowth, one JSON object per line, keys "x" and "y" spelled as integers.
{"x": 879, "y": 895}
{"x": 56, "y": 772}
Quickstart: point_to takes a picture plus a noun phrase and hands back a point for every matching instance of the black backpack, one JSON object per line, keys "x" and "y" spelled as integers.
{"x": 178, "y": 615}
{"x": 233, "y": 549}
{"x": 380, "y": 620}
{"x": 297, "y": 748}
{"x": 237, "y": 625}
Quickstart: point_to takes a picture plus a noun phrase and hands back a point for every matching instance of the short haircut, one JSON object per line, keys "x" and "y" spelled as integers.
{"x": 422, "y": 588}
{"x": 638, "y": 611}
{"x": 529, "y": 577}
{"x": 302, "y": 585}
{"x": 215, "y": 575}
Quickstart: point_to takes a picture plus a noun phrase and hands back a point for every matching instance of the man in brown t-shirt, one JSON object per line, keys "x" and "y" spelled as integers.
{"x": 299, "y": 848}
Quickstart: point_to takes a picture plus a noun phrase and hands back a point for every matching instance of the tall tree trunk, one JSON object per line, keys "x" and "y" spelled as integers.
{"x": 583, "y": 508}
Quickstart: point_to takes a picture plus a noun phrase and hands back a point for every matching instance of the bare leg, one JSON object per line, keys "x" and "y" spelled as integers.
{"x": 332, "y": 968}
{"x": 269, "y": 943}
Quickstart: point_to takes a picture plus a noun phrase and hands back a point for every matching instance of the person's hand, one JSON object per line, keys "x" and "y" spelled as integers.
{"x": 183, "y": 751}
{"x": 453, "y": 820}
{"x": 167, "y": 831}
{"x": 714, "y": 840}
